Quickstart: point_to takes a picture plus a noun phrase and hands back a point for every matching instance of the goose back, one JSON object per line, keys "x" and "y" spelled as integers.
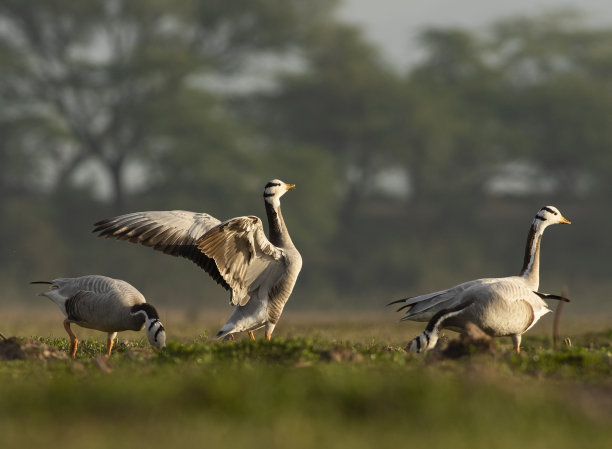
{"x": 98, "y": 302}
{"x": 501, "y": 308}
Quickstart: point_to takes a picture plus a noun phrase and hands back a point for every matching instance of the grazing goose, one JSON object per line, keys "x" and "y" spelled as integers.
{"x": 105, "y": 304}
{"x": 259, "y": 273}
{"x": 499, "y": 306}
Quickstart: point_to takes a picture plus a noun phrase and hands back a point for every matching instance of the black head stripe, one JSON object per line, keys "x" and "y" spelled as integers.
{"x": 539, "y": 217}
{"x": 548, "y": 209}
{"x": 267, "y": 195}
{"x": 153, "y": 324}
{"x": 161, "y": 328}
{"x": 272, "y": 184}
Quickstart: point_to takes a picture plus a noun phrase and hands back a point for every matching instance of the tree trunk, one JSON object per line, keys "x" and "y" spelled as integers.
{"x": 118, "y": 192}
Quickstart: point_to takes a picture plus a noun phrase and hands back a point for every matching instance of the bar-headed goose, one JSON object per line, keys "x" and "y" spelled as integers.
{"x": 259, "y": 272}
{"x": 499, "y": 306}
{"x": 105, "y": 304}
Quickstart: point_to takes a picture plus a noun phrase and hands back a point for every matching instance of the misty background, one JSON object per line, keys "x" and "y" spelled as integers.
{"x": 422, "y": 140}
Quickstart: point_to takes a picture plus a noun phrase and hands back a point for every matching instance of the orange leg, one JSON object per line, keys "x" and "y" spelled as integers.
{"x": 516, "y": 339}
{"x": 268, "y": 336}
{"x": 251, "y": 335}
{"x": 74, "y": 342}
{"x": 109, "y": 343}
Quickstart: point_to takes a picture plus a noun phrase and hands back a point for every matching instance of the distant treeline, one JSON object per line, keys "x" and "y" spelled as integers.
{"x": 406, "y": 182}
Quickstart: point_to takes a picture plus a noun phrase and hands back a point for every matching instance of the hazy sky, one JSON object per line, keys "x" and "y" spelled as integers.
{"x": 395, "y": 24}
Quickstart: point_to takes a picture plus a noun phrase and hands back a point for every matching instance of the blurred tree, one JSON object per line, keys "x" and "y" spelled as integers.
{"x": 559, "y": 98}
{"x": 103, "y": 69}
{"x": 152, "y": 85}
{"x": 345, "y": 102}
{"x": 453, "y": 128}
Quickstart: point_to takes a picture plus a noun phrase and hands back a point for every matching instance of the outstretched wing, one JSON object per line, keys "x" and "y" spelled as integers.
{"x": 173, "y": 232}
{"x": 242, "y": 252}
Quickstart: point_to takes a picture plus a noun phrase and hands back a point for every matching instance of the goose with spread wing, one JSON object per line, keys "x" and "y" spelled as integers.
{"x": 499, "y": 306}
{"x": 105, "y": 304}
{"x": 260, "y": 272}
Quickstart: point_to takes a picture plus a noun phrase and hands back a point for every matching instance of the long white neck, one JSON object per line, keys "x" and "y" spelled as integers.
{"x": 531, "y": 262}
{"x": 277, "y": 230}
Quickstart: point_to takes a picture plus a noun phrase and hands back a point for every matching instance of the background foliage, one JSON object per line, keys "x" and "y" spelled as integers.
{"x": 405, "y": 181}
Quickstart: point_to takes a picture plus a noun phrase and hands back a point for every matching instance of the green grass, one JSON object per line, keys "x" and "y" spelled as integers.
{"x": 306, "y": 392}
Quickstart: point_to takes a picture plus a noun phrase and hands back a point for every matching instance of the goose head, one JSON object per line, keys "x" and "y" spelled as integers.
{"x": 274, "y": 189}
{"x": 156, "y": 334}
{"x": 549, "y": 215}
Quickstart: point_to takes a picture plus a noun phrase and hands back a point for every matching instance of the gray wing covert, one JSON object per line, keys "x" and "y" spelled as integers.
{"x": 81, "y": 307}
{"x": 242, "y": 252}
{"x": 172, "y": 232}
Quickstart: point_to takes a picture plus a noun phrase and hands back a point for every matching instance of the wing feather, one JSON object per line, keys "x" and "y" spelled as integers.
{"x": 241, "y": 252}
{"x": 80, "y": 307}
{"x": 172, "y": 232}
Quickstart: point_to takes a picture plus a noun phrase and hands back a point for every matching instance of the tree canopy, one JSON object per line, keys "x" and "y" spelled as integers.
{"x": 405, "y": 181}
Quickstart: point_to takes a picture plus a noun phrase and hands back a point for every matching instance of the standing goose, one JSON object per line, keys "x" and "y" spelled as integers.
{"x": 499, "y": 306}
{"x": 105, "y": 304}
{"x": 259, "y": 273}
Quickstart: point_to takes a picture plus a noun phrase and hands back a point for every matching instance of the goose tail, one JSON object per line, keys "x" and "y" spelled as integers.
{"x": 551, "y": 296}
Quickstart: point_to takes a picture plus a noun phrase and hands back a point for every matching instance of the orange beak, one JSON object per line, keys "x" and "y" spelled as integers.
{"x": 565, "y": 220}
{"x": 290, "y": 186}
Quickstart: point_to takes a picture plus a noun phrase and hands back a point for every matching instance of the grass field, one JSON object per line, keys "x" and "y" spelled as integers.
{"x": 320, "y": 383}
